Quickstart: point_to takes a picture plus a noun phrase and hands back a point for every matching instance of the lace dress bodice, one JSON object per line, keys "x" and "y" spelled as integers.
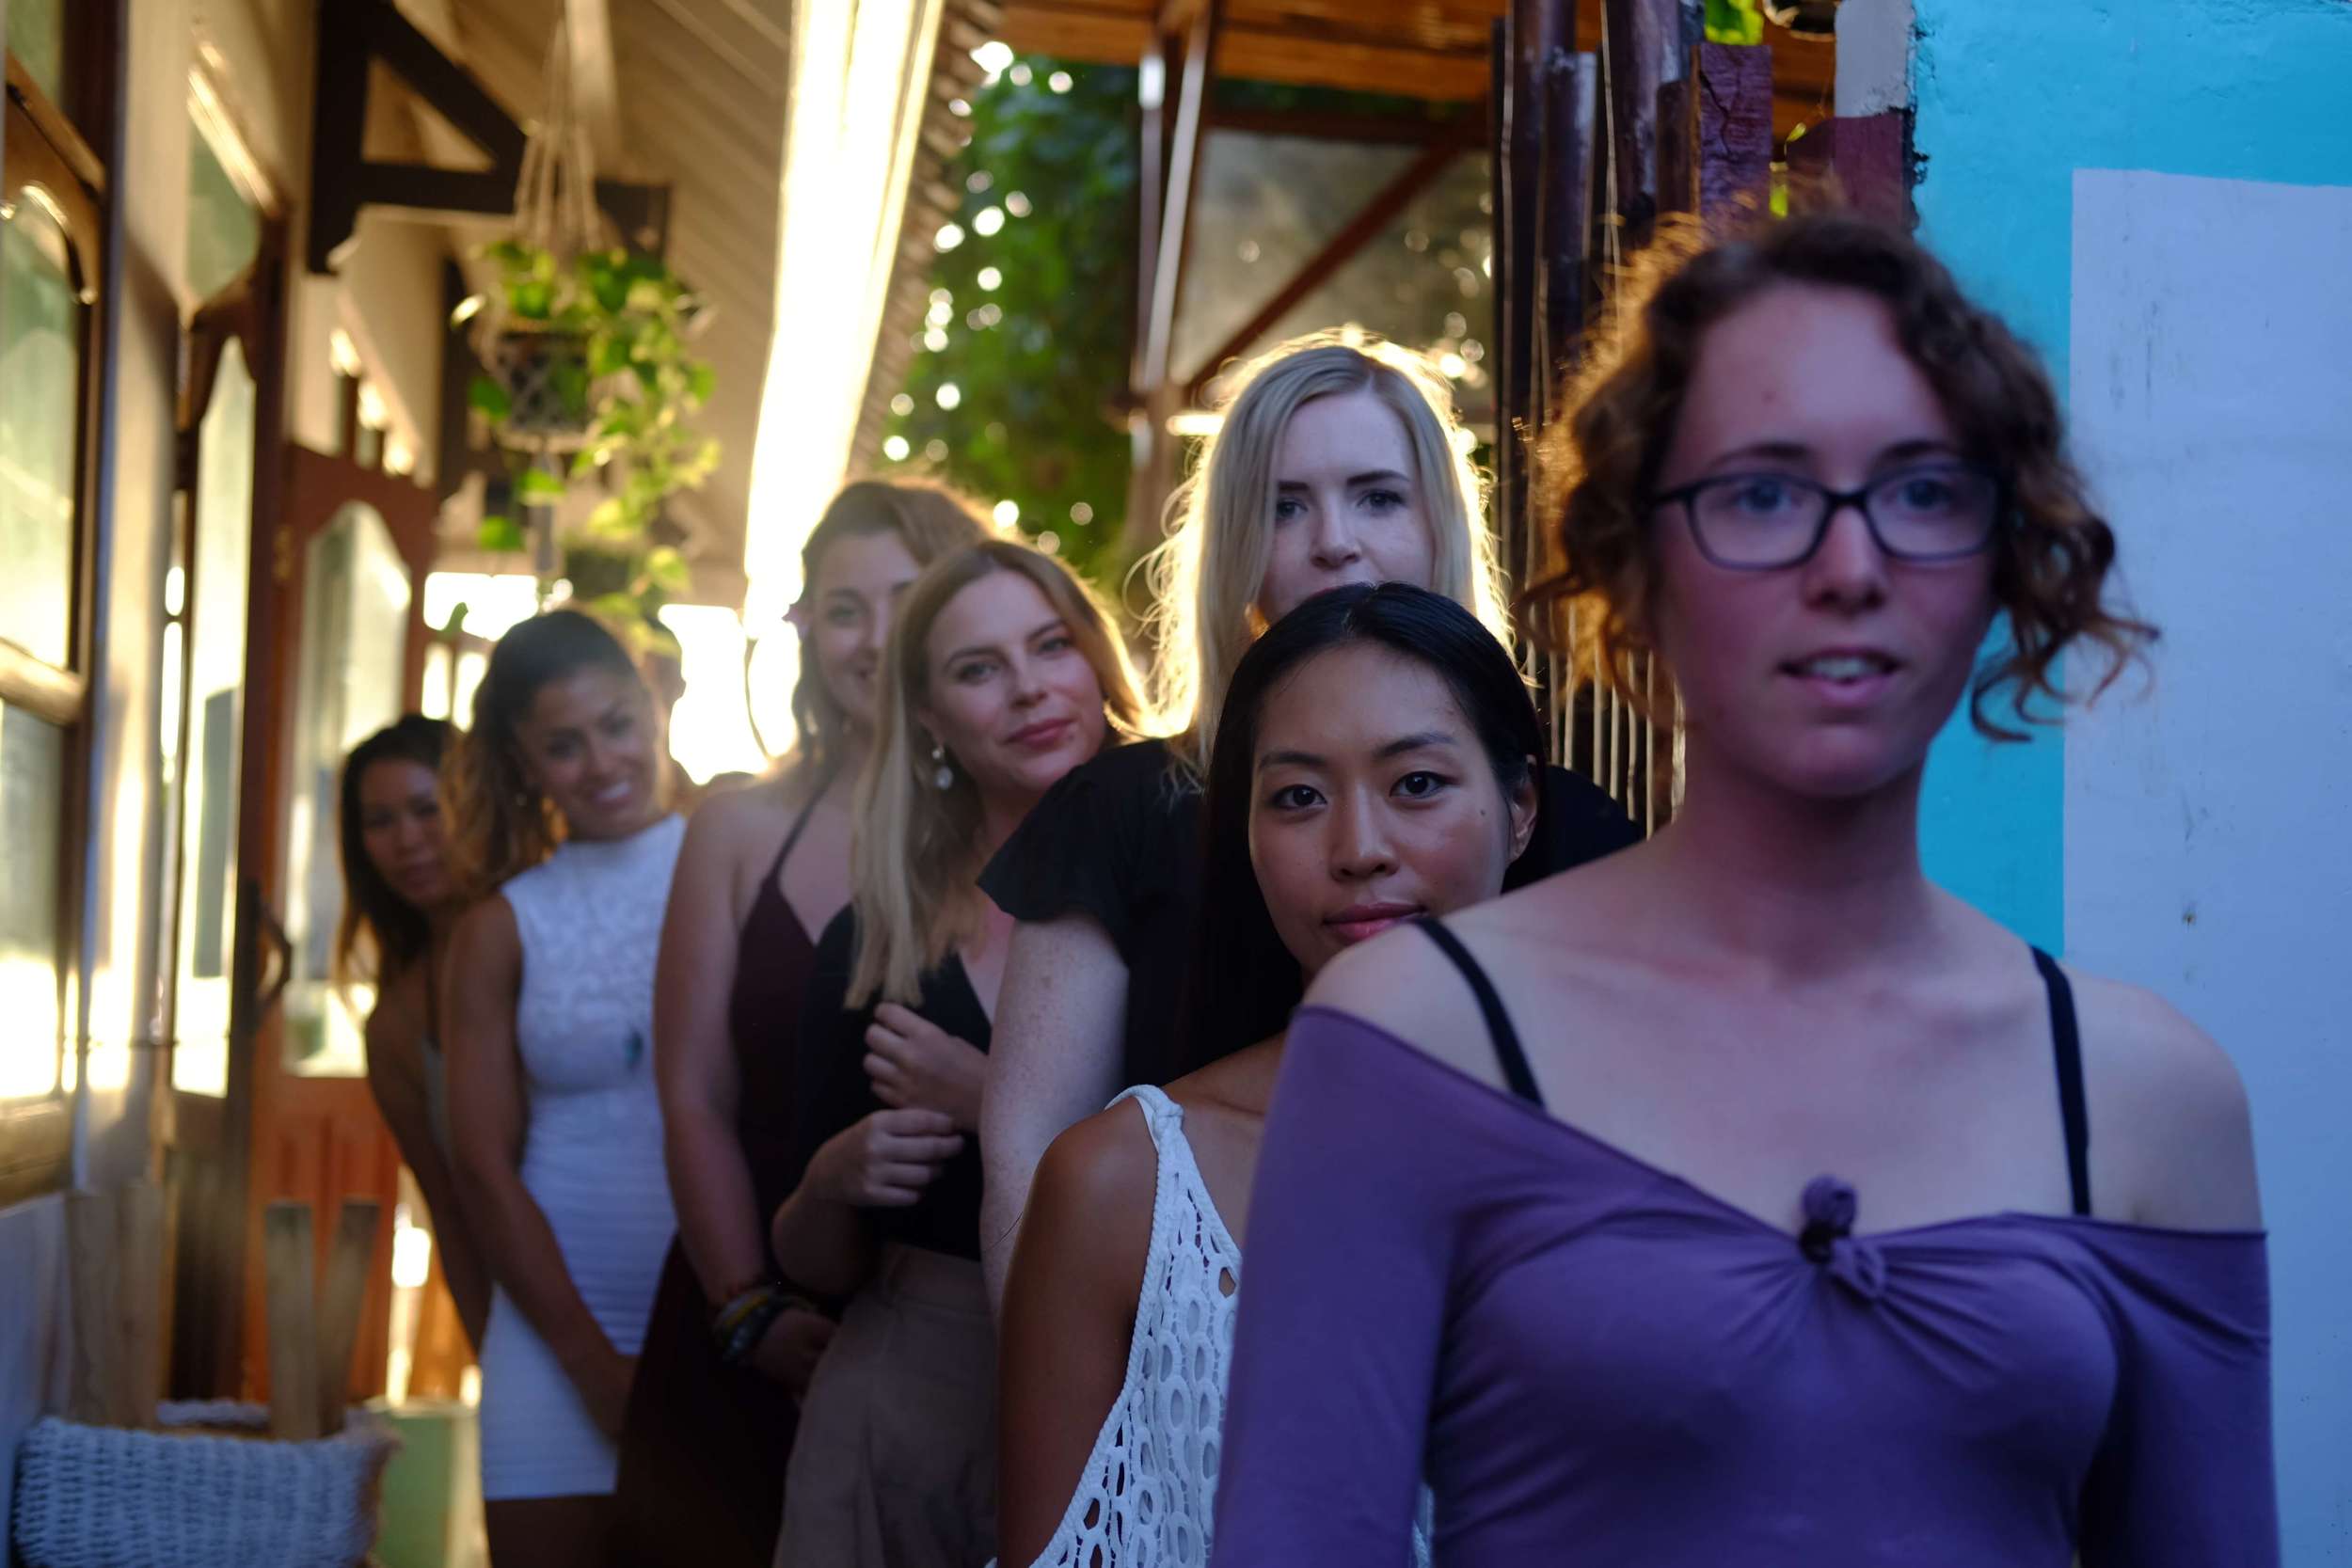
{"x": 1146, "y": 1496}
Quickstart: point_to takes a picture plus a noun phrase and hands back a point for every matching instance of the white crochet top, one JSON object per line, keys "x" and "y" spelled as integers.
{"x": 1147, "y": 1495}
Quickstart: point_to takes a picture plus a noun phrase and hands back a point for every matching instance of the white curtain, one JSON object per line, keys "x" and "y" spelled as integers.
{"x": 859, "y": 74}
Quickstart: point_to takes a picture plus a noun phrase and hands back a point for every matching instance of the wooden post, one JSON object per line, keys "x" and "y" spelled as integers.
{"x": 288, "y": 1259}
{"x": 1519, "y": 376}
{"x": 1571, "y": 107}
{"x": 1647, "y": 45}
{"x": 1869, "y": 157}
{"x": 1735, "y": 128}
{"x": 1679, "y": 144}
{"x": 1187, "y": 31}
{"x": 340, "y": 1301}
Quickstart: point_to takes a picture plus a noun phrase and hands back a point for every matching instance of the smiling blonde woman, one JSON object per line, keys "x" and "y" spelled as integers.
{"x": 1339, "y": 462}
{"x": 1002, "y": 676}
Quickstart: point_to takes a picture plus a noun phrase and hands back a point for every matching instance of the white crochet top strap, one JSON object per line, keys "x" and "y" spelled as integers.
{"x": 1147, "y": 1495}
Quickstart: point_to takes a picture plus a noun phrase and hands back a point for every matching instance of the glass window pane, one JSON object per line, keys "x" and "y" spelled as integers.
{"x": 354, "y": 629}
{"x": 37, "y": 37}
{"x": 224, "y": 229}
{"x": 32, "y": 815}
{"x": 214, "y": 661}
{"x": 40, "y": 366}
{"x": 1269, "y": 204}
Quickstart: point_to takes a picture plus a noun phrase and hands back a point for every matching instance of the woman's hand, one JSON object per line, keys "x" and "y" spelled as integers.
{"x": 912, "y": 1061}
{"x": 790, "y": 1351}
{"x": 886, "y": 1159}
{"x": 603, "y": 1376}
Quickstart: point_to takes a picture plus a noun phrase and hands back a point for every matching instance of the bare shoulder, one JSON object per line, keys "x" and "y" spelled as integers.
{"x": 1403, "y": 983}
{"x": 485, "y": 943}
{"x": 1087, "y": 1226}
{"x": 397, "y": 1024}
{"x": 731, "y": 824}
{"x": 2171, "y": 1133}
{"x": 1098, "y": 1176}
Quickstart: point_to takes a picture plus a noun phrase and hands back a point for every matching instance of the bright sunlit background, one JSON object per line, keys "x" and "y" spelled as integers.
{"x": 710, "y": 729}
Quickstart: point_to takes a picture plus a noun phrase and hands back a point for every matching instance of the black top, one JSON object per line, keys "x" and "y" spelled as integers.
{"x": 2066, "y": 1050}
{"x": 833, "y": 1093}
{"x": 772, "y": 977}
{"x": 1119, "y": 839}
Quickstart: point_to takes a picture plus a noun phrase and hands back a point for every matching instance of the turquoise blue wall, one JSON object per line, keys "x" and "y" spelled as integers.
{"x": 2011, "y": 100}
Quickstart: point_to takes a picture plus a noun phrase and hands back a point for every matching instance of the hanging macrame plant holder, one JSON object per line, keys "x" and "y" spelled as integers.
{"x": 521, "y": 337}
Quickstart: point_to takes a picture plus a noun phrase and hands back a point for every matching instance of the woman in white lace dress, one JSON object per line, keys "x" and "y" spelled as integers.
{"x": 548, "y": 1022}
{"x": 1375, "y": 763}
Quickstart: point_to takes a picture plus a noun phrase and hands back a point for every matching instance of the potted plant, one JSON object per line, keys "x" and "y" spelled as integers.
{"x": 589, "y": 374}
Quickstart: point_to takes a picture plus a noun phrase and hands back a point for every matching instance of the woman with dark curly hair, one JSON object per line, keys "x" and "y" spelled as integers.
{"x": 1734, "y": 1199}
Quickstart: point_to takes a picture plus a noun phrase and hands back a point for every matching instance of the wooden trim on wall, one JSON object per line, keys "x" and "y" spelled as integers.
{"x": 36, "y": 1148}
{"x": 40, "y": 688}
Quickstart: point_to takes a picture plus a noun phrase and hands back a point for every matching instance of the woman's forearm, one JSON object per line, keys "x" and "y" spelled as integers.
{"x": 1054, "y": 1058}
{"x": 822, "y": 1243}
{"x": 718, "y": 1210}
{"x": 463, "y": 1268}
{"x": 528, "y": 1262}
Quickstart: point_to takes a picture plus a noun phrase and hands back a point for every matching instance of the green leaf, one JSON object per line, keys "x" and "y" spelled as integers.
{"x": 488, "y": 397}
{"x": 666, "y": 568}
{"x": 538, "y": 487}
{"x": 500, "y": 535}
{"x": 569, "y": 378}
{"x": 1734, "y": 22}
{"x": 609, "y": 356}
{"x": 620, "y": 609}
{"x": 607, "y": 281}
{"x": 610, "y": 519}
{"x": 701, "y": 381}
{"x": 532, "y": 299}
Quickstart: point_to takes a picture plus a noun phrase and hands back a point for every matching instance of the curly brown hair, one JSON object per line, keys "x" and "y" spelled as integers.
{"x": 1597, "y": 466}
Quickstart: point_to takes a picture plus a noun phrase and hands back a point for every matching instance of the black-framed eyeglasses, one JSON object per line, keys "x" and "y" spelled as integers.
{"x": 1761, "y": 522}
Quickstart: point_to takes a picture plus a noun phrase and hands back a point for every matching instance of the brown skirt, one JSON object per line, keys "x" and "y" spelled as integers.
{"x": 894, "y": 1466}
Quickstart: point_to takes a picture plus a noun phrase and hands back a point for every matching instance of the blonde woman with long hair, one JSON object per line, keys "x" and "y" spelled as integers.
{"x": 729, "y": 1351}
{"x": 1003, "y": 675}
{"x": 1339, "y": 462}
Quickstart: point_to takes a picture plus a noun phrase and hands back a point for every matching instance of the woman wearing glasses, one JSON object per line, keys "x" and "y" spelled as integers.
{"x": 1744, "y": 1198}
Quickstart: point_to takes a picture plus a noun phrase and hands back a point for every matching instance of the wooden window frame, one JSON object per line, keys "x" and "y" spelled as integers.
{"x": 44, "y": 157}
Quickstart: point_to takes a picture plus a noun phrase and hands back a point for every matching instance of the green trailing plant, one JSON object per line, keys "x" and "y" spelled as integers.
{"x": 1734, "y": 22}
{"x": 592, "y": 378}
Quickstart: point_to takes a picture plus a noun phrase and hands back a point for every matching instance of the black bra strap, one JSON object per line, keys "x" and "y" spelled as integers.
{"x": 1514, "y": 1069}
{"x": 2066, "y": 1038}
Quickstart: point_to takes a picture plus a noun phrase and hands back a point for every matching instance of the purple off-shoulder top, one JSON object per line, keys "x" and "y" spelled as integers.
{"x": 1595, "y": 1362}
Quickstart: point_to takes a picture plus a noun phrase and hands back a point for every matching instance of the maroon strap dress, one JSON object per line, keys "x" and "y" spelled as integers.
{"x": 705, "y": 1446}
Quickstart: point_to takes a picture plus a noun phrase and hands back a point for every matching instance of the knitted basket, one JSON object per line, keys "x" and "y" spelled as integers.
{"x": 87, "y": 1496}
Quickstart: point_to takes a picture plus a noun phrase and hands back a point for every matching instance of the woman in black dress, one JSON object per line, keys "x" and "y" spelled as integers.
{"x": 727, "y": 1356}
{"x": 1002, "y": 676}
{"x": 1341, "y": 461}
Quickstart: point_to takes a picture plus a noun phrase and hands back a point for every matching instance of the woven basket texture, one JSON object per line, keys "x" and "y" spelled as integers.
{"x": 106, "y": 1497}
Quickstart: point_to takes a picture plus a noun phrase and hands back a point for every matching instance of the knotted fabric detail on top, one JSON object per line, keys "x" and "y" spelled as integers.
{"x": 1828, "y": 1237}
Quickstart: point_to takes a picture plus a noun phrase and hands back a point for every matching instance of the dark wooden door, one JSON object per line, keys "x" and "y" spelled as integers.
{"x": 349, "y": 651}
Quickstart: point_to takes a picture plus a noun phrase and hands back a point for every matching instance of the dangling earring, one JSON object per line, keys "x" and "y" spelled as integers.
{"x": 942, "y": 775}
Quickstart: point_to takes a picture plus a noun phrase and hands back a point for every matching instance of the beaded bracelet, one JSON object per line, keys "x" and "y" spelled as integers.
{"x": 740, "y": 1326}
